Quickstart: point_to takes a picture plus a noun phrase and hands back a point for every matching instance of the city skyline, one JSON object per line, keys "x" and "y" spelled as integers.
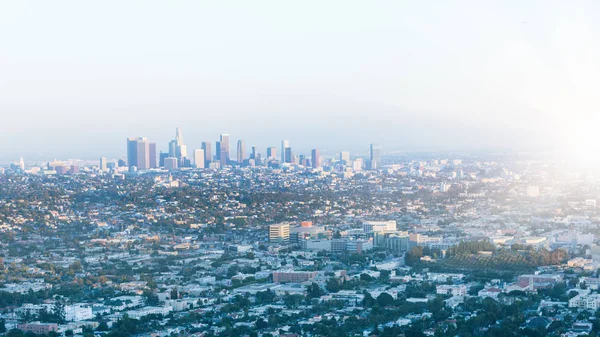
{"x": 142, "y": 154}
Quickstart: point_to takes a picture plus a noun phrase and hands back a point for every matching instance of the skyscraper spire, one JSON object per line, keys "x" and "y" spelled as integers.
{"x": 179, "y": 136}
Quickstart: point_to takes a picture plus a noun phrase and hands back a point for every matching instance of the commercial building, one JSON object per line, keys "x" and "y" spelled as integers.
{"x": 139, "y": 153}
{"x": 241, "y": 152}
{"x": 207, "y": 148}
{"x": 38, "y": 328}
{"x": 315, "y": 158}
{"x": 279, "y": 233}
{"x": 375, "y": 156}
{"x": 291, "y": 276}
{"x": 199, "y": 159}
{"x": 171, "y": 163}
{"x": 358, "y": 246}
{"x": 78, "y": 312}
{"x": 379, "y": 226}
{"x": 453, "y": 290}
{"x": 285, "y": 144}
{"x": 271, "y": 153}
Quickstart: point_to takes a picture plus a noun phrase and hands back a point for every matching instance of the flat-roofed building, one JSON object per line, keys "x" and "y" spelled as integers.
{"x": 291, "y": 276}
{"x": 279, "y": 233}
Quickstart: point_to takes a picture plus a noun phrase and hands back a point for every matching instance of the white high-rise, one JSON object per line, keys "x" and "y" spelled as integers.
{"x": 199, "y": 158}
{"x": 103, "y": 164}
{"x": 284, "y": 145}
{"x": 345, "y": 157}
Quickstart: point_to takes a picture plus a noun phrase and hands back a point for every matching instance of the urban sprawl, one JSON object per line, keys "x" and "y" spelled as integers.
{"x": 197, "y": 243}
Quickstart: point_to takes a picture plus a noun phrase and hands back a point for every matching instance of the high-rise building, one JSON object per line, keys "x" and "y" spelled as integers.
{"x": 315, "y": 158}
{"x": 345, "y": 157}
{"x": 103, "y": 164}
{"x": 178, "y": 136}
{"x": 357, "y": 164}
{"x": 225, "y": 148}
{"x": 271, "y": 153}
{"x": 207, "y": 147}
{"x": 138, "y": 153}
{"x": 177, "y": 147}
{"x": 284, "y": 145}
{"x": 152, "y": 155}
{"x": 253, "y": 153}
{"x": 171, "y": 163}
{"x": 131, "y": 152}
{"x": 143, "y": 154}
{"x": 218, "y": 151}
{"x": 199, "y": 159}
{"x": 173, "y": 148}
{"x": 289, "y": 155}
{"x": 375, "y": 157}
{"x": 241, "y": 152}
{"x": 162, "y": 157}
{"x": 279, "y": 233}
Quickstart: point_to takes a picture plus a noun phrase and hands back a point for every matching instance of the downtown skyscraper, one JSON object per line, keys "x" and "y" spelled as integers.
{"x": 207, "y": 147}
{"x": 141, "y": 154}
{"x": 177, "y": 148}
{"x": 223, "y": 149}
{"x": 271, "y": 153}
{"x": 285, "y": 150}
{"x": 241, "y": 152}
{"x": 315, "y": 158}
{"x": 375, "y": 156}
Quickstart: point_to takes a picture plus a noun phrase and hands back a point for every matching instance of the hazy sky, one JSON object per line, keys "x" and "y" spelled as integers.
{"x": 78, "y": 77}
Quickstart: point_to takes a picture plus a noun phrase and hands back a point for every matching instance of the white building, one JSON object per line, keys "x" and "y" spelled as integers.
{"x": 589, "y": 301}
{"x": 78, "y": 312}
{"x": 145, "y": 311}
{"x": 454, "y": 290}
{"x": 491, "y": 292}
{"x": 379, "y": 226}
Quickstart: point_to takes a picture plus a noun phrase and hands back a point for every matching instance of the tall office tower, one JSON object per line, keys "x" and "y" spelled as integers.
{"x": 218, "y": 151}
{"x": 289, "y": 155}
{"x": 253, "y": 153}
{"x": 271, "y": 153}
{"x": 241, "y": 152}
{"x": 138, "y": 153}
{"x": 225, "y": 147}
{"x": 345, "y": 157}
{"x": 173, "y": 148}
{"x": 257, "y": 160}
{"x": 143, "y": 154}
{"x": 182, "y": 151}
{"x": 284, "y": 145}
{"x": 177, "y": 147}
{"x": 357, "y": 165}
{"x": 103, "y": 164}
{"x": 375, "y": 158}
{"x": 178, "y": 136}
{"x": 152, "y": 155}
{"x": 199, "y": 158}
{"x": 315, "y": 158}
{"x": 162, "y": 157}
{"x": 223, "y": 159}
{"x": 131, "y": 152}
{"x": 207, "y": 147}
{"x": 302, "y": 160}
{"x": 21, "y": 164}
{"x": 171, "y": 163}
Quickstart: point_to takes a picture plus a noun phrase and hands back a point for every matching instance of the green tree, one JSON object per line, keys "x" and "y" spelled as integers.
{"x": 385, "y": 299}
